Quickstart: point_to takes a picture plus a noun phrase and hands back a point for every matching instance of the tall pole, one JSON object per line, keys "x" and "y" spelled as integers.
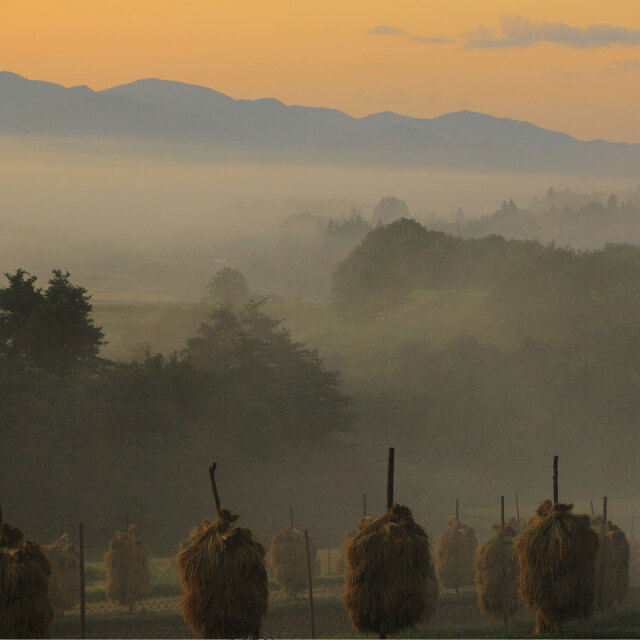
{"x": 593, "y": 513}
{"x": 390, "y": 470}
{"x": 313, "y": 625}
{"x": 602, "y": 560}
{"x": 83, "y": 625}
{"x": 214, "y": 486}
{"x": 555, "y": 479}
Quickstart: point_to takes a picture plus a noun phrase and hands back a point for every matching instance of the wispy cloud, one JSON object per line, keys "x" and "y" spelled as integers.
{"x": 516, "y": 31}
{"x": 623, "y": 66}
{"x": 389, "y": 30}
{"x": 385, "y": 30}
{"x": 431, "y": 40}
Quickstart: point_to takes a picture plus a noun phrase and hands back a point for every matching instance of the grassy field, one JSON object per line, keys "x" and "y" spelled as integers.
{"x": 436, "y": 316}
{"x": 457, "y": 616}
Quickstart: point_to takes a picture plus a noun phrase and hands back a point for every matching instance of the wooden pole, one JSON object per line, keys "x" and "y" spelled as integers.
{"x": 364, "y": 505}
{"x": 390, "y": 465}
{"x": 457, "y": 510}
{"x": 502, "y": 512}
{"x": 517, "y": 510}
{"x": 313, "y": 625}
{"x": 602, "y": 560}
{"x": 291, "y": 518}
{"x": 555, "y": 479}
{"x": 593, "y": 513}
{"x": 83, "y": 623}
{"x": 214, "y": 486}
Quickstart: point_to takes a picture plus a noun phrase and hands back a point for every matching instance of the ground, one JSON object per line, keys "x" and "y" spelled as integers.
{"x": 457, "y": 616}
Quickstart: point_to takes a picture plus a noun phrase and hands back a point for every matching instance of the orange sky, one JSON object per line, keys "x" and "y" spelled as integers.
{"x": 318, "y": 53}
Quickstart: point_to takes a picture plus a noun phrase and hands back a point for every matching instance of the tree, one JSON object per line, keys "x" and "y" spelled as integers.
{"x": 228, "y": 286}
{"x": 267, "y": 379}
{"x": 50, "y": 329}
{"x": 390, "y": 209}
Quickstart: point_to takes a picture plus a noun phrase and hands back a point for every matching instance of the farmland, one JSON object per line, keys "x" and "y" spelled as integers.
{"x": 456, "y": 616}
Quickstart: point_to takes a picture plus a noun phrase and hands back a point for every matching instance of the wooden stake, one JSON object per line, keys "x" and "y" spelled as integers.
{"x": 602, "y": 560}
{"x": 593, "y": 513}
{"x": 364, "y": 505}
{"x": 457, "y": 510}
{"x": 390, "y": 470}
{"x": 214, "y": 487}
{"x": 83, "y": 625}
{"x": 517, "y": 510}
{"x": 502, "y": 512}
{"x": 555, "y": 479}
{"x": 313, "y": 625}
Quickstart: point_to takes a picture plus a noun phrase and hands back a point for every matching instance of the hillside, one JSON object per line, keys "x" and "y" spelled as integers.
{"x": 194, "y": 121}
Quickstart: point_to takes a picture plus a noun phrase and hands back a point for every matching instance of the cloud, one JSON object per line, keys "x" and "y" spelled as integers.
{"x": 623, "y": 66}
{"x": 385, "y": 30}
{"x": 516, "y": 31}
{"x": 628, "y": 65}
{"x": 431, "y": 40}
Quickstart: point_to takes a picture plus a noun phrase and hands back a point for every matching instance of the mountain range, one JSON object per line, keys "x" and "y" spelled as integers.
{"x": 189, "y": 120}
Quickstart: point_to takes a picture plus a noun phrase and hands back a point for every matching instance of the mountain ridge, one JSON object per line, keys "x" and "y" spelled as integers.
{"x": 169, "y": 111}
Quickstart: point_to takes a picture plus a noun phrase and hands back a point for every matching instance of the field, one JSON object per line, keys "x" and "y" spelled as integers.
{"x": 433, "y": 315}
{"x": 456, "y": 616}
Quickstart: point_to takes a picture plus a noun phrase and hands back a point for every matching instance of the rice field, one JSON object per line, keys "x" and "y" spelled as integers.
{"x": 456, "y": 616}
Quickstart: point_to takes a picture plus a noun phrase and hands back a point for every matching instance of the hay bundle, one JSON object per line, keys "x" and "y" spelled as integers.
{"x": 456, "y": 555}
{"x": 497, "y": 575}
{"x": 557, "y": 554}
{"x": 225, "y": 581}
{"x": 516, "y": 525}
{"x": 64, "y": 583}
{"x": 387, "y": 582}
{"x": 128, "y": 573}
{"x": 25, "y": 608}
{"x": 340, "y": 564}
{"x": 612, "y": 565}
{"x": 288, "y": 557}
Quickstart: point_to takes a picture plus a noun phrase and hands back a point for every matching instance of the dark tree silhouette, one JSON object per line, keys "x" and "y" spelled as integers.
{"x": 228, "y": 286}
{"x": 49, "y": 329}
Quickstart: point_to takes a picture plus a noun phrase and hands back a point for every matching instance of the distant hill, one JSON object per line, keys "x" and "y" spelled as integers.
{"x": 188, "y": 119}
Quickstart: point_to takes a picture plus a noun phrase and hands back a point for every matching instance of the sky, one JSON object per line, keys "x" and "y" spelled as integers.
{"x": 566, "y": 65}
